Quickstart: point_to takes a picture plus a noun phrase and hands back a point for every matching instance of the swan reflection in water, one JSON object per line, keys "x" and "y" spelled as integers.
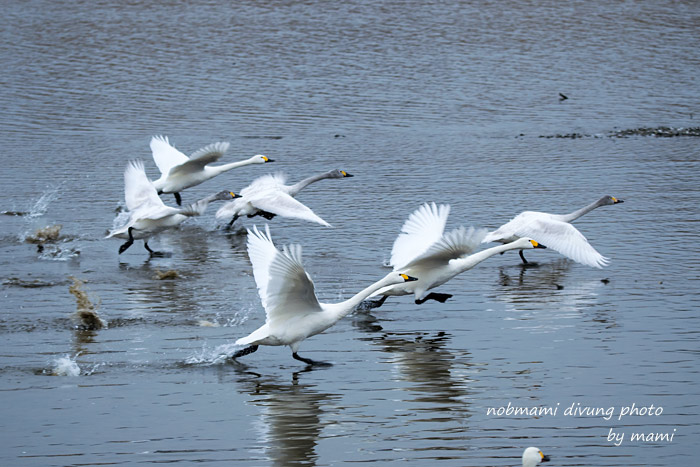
{"x": 291, "y": 415}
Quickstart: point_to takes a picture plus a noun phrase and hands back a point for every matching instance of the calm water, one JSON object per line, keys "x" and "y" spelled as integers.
{"x": 422, "y": 101}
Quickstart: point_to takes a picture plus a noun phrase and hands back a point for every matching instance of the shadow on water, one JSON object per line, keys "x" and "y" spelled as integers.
{"x": 291, "y": 414}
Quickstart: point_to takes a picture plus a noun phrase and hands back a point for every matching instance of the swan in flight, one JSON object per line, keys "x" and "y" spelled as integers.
{"x": 147, "y": 214}
{"x": 423, "y": 250}
{"x": 533, "y": 456}
{"x": 268, "y": 196}
{"x": 179, "y": 171}
{"x": 287, "y": 294}
{"x": 555, "y": 231}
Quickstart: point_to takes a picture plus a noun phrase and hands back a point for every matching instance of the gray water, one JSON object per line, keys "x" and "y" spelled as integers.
{"x": 422, "y": 101}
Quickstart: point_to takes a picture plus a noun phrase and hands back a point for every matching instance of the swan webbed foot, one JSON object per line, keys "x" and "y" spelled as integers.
{"x": 248, "y": 350}
{"x": 152, "y": 253}
{"x": 178, "y": 199}
{"x": 308, "y": 361}
{"x": 438, "y": 297}
{"x": 267, "y": 215}
{"x": 230, "y": 224}
{"x": 367, "y": 305}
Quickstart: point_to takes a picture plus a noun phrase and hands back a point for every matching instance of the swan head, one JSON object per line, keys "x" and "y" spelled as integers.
{"x": 533, "y": 456}
{"x": 525, "y": 244}
{"x": 337, "y": 173}
{"x": 260, "y": 159}
{"x": 608, "y": 200}
{"x": 225, "y": 195}
{"x": 397, "y": 278}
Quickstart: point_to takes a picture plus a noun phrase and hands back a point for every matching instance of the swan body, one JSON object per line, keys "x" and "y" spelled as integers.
{"x": 269, "y": 196}
{"x": 555, "y": 231}
{"x": 147, "y": 214}
{"x": 287, "y": 294}
{"x": 179, "y": 172}
{"x": 533, "y": 456}
{"x": 423, "y": 250}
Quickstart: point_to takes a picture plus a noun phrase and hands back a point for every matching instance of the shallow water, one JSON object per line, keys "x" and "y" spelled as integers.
{"x": 423, "y": 101}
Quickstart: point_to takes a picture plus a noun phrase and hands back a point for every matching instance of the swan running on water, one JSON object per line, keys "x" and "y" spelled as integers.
{"x": 556, "y": 232}
{"x": 287, "y": 294}
{"x": 179, "y": 171}
{"x": 533, "y": 456}
{"x": 268, "y": 196}
{"x": 422, "y": 249}
{"x": 148, "y": 215}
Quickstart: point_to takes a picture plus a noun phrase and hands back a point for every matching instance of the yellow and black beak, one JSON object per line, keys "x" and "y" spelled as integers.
{"x": 234, "y": 195}
{"x": 267, "y": 159}
{"x": 345, "y": 174}
{"x": 407, "y": 278}
{"x": 545, "y": 458}
{"x": 537, "y": 244}
{"x": 616, "y": 200}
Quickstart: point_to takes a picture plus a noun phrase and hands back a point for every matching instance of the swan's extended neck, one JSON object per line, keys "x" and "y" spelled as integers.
{"x": 232, "y": 165}
{"x": 468, "y": 262}
{"x": 297, "y": 187}
{"x": 580, "y": 212}
{"x": 342, "y": 309}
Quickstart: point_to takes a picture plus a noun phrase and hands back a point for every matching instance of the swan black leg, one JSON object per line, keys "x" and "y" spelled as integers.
{"x": 371, "y": 304}
{"x": 438, "y": 297}
{"x": 150, "y": 251}
{"x": 230, "y": 224}
{"x": 246, "y": 351}
{"x": 128, "y": 243}
{"x": 308, "y": 361}
{"x": 178, "y": 200}
{"x": 522, "y": 256}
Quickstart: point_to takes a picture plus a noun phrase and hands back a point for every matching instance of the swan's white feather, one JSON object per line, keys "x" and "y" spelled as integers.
{"x": 421, "y": 230}
{"x": 165, "y": 155}
{"x": 454, "y": 244}
{"x": 284, "y": 205}
{"x": 202, "y": 157}
{"x": 138, "y": 189}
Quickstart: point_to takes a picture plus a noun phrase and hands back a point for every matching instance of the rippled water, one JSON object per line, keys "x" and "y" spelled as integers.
{"x": 421, "y": 101}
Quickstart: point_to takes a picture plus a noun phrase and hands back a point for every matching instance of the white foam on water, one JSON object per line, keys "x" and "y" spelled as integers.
{"x": 65, "y": 366}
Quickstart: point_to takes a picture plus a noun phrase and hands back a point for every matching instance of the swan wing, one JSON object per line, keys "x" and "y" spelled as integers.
{"x": 200, "y": 158}
{"x": 165, "y": 155}
{"x": 265, "y": 182}
{"x": 284, "y": 286}
{"x": 138, "y": 189}
{"x": 564, "y": 238}
{"x": 281, "y": 204}
{"x": 454, "y": 244}
{"x": 421, "y": 230}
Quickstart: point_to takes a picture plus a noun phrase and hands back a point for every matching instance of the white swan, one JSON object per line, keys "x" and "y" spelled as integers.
{"x": 147, "y": 214}
{"x": 555, "y": 231}
{"x": 424, "y": 251}
{"x": 533, "y": 456}
{"x": 287, "y": 294}
{"x": 268, "y": 196}
{"x": 179, "y": 171}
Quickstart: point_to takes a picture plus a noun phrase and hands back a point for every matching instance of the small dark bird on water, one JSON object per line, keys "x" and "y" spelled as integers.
{"x": 562, "y": 97}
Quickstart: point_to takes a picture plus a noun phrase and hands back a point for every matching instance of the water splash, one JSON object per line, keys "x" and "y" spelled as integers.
{"x": 215, "y": 356}
{"x": 66, "y": 366}
{"x": 42, "y": 204}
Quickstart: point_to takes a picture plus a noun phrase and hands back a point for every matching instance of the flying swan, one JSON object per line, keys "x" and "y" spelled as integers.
{"x": 423, "y": 250}
{"x": 556, "y": 232}
{"x": 148, "y": 215}
{"x": 268, "y": 196}
{"x": 179, "y": 171}
{"x": 287, "y": 294}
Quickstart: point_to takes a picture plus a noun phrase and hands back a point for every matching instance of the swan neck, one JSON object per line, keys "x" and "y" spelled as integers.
{"x": 468, "y": 262}
{"x": 342, "y": 309}
{"x": 297, "y": 187}
{"x": 572, "y": 216}
{"x": 231, "y": 165}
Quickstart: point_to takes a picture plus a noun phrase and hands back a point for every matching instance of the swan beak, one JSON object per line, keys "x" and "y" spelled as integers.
{"x": 536, "y": 244}
{"x": 267, "y": 159}
{"x": 545, "y": 458}
{"x": 345, "y": 174}
{"x": 615, "y": 200}
{"x": 234, "y": 195}
{"x": 407, "y": 278}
